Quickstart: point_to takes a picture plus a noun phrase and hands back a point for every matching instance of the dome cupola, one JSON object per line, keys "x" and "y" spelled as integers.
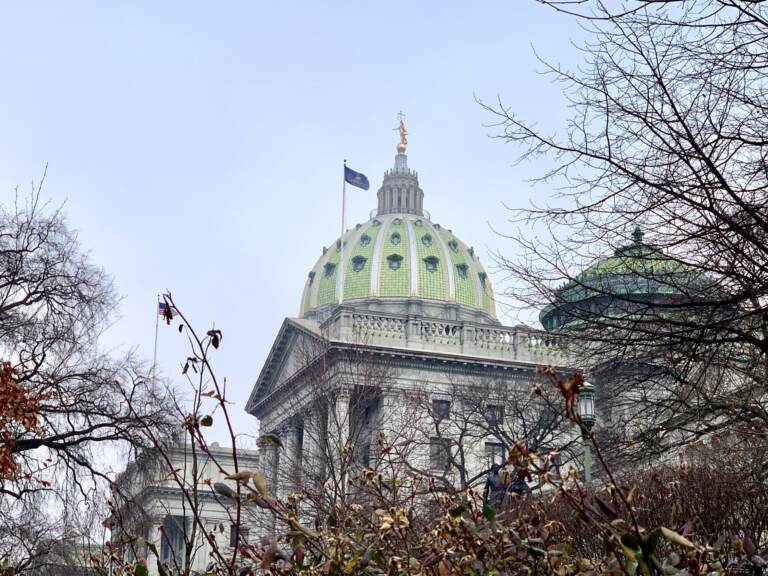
{"x": 638, "y": 276}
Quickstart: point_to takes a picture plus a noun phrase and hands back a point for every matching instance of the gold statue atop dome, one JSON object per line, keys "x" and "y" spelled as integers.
{"x": 403, "y": 134}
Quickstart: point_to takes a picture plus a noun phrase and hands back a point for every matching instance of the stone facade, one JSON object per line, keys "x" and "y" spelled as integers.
{"x": 152, "y": 505}
{"x": 405, "y": 367}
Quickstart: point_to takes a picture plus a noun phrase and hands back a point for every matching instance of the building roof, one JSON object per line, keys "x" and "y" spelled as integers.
{"x": 636, "y": 273}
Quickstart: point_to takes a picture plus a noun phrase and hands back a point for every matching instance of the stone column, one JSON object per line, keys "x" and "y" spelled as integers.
{"x": 290, "y": 461}
{"x": 313, "y": 453}
{"x": 338, "y": 439}
{"x": 268, "y": 463}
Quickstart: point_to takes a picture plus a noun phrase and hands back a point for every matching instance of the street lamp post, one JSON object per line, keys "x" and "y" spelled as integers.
{"x": 586, "y": 408}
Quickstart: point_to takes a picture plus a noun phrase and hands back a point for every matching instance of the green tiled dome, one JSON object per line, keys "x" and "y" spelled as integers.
{"x": 401, "y": 262}
{"x": 637, "y": 273}
{"x": 399, "y": 256}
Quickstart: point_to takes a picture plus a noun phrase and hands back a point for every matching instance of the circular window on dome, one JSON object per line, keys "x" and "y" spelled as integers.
{"x": 329, "y": 268}
{"x": 463, "y": 269}
{"x": 395, "y": 238}
{"x": 453, "y": 245}
{"x": 365, "y": 240}
{"x": 426, "y": 240}
{"x": 397, "y": 221}
{"x": 431, "y": 262}
{"x": 358, "y": 263}
{"x": 417, "y": 222}
{"x": 394, "y": 261}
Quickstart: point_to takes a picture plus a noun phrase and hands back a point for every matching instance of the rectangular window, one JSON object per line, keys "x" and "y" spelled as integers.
{"x": 233, "y": 535}
{"x": 439, "y": 453}
{"x": 441, "y": 409}
{"x": 494, "y": 413}
{"x": 173, "y": 541}
{"x": 364, "y": 453}
{"x": 495, "y": 453}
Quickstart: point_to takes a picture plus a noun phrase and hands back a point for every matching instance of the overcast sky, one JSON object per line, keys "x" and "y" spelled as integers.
{"x": 197, "y": 146}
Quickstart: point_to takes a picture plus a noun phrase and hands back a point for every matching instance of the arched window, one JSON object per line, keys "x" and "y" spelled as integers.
{"x": 395, "y": 238}
{"x": 365, "y": 240}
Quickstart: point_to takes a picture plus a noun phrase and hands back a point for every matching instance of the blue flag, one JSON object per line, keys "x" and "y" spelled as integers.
{"x": 356, "y": 178}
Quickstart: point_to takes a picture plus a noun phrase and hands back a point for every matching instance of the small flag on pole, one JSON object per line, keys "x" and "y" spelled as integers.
{"x": 162, "y": 307}
{"x": 356, "y": 178}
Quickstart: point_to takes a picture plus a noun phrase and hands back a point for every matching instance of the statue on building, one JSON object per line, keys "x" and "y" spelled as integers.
{"x": 403, "y": 134}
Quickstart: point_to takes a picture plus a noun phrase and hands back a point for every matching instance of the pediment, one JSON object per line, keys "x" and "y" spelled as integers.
{"x": 297, "y": 342}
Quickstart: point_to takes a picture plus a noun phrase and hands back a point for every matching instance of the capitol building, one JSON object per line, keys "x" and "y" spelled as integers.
{"x": 398, "y": 366}
{"x": 397, "y": 359}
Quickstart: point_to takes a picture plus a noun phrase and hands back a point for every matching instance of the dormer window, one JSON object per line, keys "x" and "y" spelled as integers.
{"x": 365, "y": 240}
{"x": 395, "y": 261}
{"x": 395, "y": 238}
{"x": 397, "y": 221}
{"x": 325, "y": 249}
{"x": 431, "y": 263}
{"x": 376, "y": 222}
{"x": 417, "y": 223}
{"x": 338, "y": 245}
{"x": 357, "y": 226}
{"x": 483, "y": 277}
{"x": 437, "y": 226}
{"x": 358, "y": 263}
{"x": 328, "y": 269}
{"x": 311, "y": 277}
{"x": 426, "y": 240}
{"x": 463, "y": 269}
{"x": 453, "y": 245}
{"x": 471, "y": 251}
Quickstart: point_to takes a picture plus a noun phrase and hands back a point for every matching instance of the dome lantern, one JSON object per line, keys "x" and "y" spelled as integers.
{"x": 400, "y": 192}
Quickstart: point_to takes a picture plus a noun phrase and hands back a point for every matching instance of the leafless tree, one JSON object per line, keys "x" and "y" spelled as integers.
{"x": 54, "y": 305}
{"x": 667, "y": 132}
{"x": 475, "y": 422}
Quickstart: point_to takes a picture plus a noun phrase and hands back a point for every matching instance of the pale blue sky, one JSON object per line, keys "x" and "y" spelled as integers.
{"x": 198, "y": 146}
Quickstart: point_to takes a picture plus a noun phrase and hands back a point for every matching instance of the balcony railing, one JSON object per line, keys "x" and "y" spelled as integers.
{"x": 460, "y": 338}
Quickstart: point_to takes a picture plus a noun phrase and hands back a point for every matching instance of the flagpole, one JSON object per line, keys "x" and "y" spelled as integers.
{"x": 343, "y": 226}
{"x": 157, "y": 325}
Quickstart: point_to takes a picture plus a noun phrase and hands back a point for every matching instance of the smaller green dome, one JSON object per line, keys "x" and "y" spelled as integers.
{"x": 638, "y": 273}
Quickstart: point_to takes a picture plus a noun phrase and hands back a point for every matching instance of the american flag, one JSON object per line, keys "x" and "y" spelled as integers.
{"x": 162, "y": 307}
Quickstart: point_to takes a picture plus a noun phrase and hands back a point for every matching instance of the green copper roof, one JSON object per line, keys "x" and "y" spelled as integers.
{"x": 637, "y": 272}
{"x": 639, "y": 259}
{"x": 399, "y": 256}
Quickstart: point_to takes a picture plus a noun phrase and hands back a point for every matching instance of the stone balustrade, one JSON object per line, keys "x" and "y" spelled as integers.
{"x": 518, "y": 344}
